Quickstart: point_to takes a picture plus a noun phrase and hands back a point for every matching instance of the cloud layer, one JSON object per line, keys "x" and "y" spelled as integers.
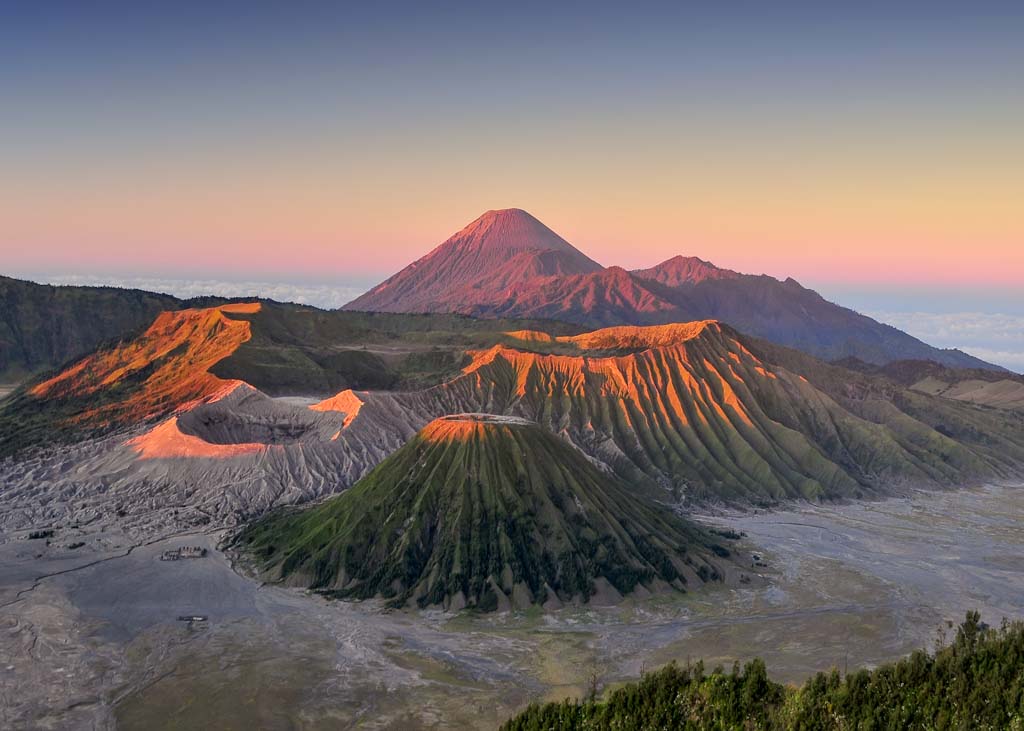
{"x": 325, "y": 296}
{"x": 995, "y": 337}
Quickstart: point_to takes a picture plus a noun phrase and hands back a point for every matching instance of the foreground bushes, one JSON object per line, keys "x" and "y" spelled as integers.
{"x": 977, "y": 682}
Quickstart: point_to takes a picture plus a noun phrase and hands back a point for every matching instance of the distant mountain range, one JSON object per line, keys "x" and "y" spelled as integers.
{"x": 508, "y": 264}
{"x": 504, "y": 264}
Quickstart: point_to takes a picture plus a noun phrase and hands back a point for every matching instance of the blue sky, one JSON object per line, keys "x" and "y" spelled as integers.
{"x": 870, "y": 150}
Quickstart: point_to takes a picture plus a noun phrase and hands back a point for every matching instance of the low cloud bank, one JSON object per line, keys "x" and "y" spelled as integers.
{"x": 325, "y": 296}
{"x": 997, "y": 338}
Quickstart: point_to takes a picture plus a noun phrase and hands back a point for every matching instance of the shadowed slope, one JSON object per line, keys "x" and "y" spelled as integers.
{"x": 790, "y": 314}
{"x": 612, "y": 296}
{"x": 42, "y": 326}
{"x": 1002, "y": 390}
{"x": 488, "y": 512}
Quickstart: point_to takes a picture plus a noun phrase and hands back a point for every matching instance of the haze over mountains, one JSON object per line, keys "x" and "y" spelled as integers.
{"x": 504, "y": 264}
{"x": 508, "y": 264}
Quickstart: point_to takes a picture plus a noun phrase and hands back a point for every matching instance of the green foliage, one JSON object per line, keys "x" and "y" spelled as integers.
{"x": 42, "y": 326}
{"x": 512, "y": 506}
{"x": 977, "y": 682}
{"x": 302, "y": 350}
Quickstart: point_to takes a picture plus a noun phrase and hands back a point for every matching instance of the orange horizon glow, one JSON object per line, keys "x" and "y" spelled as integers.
{"x": 889, "y": 222}
{"x": 833, "y": 142}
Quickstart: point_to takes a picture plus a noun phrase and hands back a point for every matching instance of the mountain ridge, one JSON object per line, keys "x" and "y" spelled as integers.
{"x": 680, "y": 270}
{"x": 679, "y": 289}
{"x": 43, "y": 326}
{"x": 692, "y": 413}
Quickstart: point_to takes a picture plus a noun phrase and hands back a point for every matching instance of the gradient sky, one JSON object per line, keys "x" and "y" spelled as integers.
{"x": 858, "y": 148}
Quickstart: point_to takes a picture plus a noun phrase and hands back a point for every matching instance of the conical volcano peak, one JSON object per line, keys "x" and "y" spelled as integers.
{"x": 512, "y": 516}
{"x": 681, "y": 270}
{"x": 510, "y": 230}
{"x": 507, "y": 214}
{"x": 508, "y": 264}
{"x": 462, "y": 427}
{"x": 499, "y": 251}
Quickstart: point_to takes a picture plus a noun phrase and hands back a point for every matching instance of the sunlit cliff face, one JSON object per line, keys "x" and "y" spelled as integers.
{"x": 682, "y": 372}
{"x": 167, "y": 441}
{"x": 625, "y": 337}
{"x": 164, "y": 369}
{"x": 466, "y": 427}
{"x": 630, "y": 337}
{"x": 347, "y": 401}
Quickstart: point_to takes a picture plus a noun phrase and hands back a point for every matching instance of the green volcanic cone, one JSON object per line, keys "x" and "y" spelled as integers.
{"x": 487, "y": 512}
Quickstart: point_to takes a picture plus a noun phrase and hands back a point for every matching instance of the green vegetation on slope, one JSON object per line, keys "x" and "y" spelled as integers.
{"x": 132, "y": 381}
{"x": 1000, "y": 389}
{"x": 975, "y": 683}
{"x": 27, "y": 421}
{"x": 484, "y": 512}
{"x": 710, "y": 420}
{"x": 964, "y": 440}
{"x": 42, "y": 326}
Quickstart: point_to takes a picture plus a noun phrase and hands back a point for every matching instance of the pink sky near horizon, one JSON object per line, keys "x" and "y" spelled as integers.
{"x": 324, "y": 247}
{"x": 872, "y": 152}
{"x": 827, "y": 143}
